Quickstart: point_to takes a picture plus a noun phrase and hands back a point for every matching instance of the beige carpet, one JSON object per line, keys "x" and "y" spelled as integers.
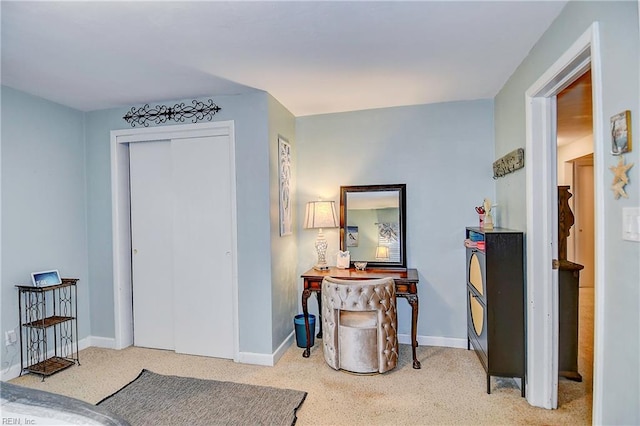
{"x": 449, "y": 389}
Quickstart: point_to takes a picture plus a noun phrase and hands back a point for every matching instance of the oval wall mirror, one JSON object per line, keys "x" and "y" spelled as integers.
{"x": 372, "y": 224}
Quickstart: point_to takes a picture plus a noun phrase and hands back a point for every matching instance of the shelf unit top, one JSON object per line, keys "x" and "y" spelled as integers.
{"x": 66, "y": 282}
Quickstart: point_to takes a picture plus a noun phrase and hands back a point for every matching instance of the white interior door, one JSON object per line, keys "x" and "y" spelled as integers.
{"x": 182, "y": 243}
{"x": 202, "y": 243}
{"x": 584, "y": 229}
{"x": 151, "y": 243}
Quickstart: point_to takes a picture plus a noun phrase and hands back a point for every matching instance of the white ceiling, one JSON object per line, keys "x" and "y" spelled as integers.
{"x": 314, "y": 57}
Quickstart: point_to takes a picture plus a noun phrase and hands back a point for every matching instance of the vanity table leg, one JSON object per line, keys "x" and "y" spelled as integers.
{"x": 319, "y": 297}
{"x": 413, "y": 301}
{"x": 305, "y": 296}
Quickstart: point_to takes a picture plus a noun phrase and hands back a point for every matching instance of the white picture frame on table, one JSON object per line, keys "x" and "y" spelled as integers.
{"x": 45, "y": 278}
{"x": 343, "y": 260}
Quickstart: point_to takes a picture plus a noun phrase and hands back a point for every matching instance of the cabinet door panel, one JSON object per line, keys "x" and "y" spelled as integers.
{"x": 475, "y": 271}
{"x": 477, "y": 314}
{"x": 477, "y": 319}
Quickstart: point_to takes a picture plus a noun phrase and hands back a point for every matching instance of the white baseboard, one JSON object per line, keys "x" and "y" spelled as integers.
{"x": 272, "y": 359}
{"x": 283, "y": 348}
{"x": 10, "y": 372}
{"x": 255, "y": 359}
{"x": 266, "y": 359}
{"x": 103, "y": 342}
{"x": 84, "y": 343}
{"x": 444, "y": 342}
{"x": 14, "y": 370}
{"x": 269, "y": 360}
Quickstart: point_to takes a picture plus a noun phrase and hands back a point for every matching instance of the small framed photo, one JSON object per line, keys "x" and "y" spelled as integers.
{"x": 621, "y": 133}
{"x": 343, "y": 260}
{"x": 45, "y": 278}
{"x": 352, "y": 236}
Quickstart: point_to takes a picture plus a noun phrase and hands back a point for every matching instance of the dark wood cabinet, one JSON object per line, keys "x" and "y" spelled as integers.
{"x": 568, "y": 290}
{"x": 568, "y": 293}
{"x": 496, "y": 302}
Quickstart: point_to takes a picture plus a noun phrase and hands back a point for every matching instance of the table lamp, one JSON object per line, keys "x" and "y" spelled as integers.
{"x": 382, "y": 253}
{"x": 318, "y": 215}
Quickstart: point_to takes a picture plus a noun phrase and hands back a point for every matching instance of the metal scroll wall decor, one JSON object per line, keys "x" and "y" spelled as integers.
{"x": 198, "y": 111}
{"x": 509, "y": 163}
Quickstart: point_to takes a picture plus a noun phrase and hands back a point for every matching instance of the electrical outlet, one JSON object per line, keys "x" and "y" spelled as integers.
{"x": 10, "y": 337}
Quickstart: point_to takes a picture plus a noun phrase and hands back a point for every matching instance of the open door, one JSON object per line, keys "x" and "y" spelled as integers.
{"x": 541, "y": 246}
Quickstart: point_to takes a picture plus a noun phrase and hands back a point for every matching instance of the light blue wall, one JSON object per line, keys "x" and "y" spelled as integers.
{"x": 421, "y": 146}
{"x": 443, "y": 153}
{"x": 284, "y": 250}
{"x": 99, "y": 229}
{"x": 75, "y": 234}
{"x": 620, "y": 91}
{"x": 43, "y": 202}
{"x": 249, "y": 113}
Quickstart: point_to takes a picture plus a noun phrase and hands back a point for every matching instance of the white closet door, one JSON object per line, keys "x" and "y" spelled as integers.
{"x": 151, "y": 241}
{"x": 202, "y": 246}
{"x": 181, "y": 227}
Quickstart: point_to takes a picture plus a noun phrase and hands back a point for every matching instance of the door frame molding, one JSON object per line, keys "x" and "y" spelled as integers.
{"x": 121, "y": 218}
{"x": 542, "y": 298}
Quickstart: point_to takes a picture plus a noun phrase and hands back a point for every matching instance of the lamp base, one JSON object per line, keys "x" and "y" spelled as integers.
{"x": 321, "y": 268}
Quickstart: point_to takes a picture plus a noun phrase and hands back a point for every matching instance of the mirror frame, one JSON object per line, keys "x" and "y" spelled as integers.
{"x": 402, "y": 207}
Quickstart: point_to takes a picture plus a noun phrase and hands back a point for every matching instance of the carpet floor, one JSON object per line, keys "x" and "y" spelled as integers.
{"x": 448, "y": 390}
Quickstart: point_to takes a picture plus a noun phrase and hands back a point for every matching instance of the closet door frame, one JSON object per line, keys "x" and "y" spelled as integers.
{"x": 121, "y": 218}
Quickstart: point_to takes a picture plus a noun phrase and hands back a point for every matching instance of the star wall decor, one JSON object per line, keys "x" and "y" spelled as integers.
{"x": 620, "y": 178}
{"x": 618, "y": 190}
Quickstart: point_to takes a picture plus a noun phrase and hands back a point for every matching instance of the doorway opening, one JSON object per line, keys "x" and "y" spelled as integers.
{"x": 542, "y": 219}
{"x": 576, "y": 302}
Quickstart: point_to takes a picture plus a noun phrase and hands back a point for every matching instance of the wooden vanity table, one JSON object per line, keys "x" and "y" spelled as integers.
{"x": 406, "y": 281}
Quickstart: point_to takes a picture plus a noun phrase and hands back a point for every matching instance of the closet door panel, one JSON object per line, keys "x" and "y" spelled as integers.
{"x": 151, "y": 241}
{"x": 202, "y": 243}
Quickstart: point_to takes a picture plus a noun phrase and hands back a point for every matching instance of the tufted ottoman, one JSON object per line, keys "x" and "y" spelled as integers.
{"x": 359, "y": 323}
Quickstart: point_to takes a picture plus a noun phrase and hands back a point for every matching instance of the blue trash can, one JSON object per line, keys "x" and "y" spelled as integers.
{"x": 301, "y": 333}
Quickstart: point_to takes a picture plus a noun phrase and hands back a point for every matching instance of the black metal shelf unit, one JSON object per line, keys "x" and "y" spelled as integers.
{"x": 48, "y": 327}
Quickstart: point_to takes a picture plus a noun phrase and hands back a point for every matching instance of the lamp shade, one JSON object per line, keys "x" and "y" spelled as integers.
{"x": 382, "y": 252}
{"x": 320, "y": 214}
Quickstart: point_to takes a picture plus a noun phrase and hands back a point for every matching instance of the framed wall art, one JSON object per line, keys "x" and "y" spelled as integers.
{"x": 286, "y": 203}
{"x": 621, "y": 133}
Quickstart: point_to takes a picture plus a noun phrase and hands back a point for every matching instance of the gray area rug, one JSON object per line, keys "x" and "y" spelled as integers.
{"x": 154, "y": 399}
